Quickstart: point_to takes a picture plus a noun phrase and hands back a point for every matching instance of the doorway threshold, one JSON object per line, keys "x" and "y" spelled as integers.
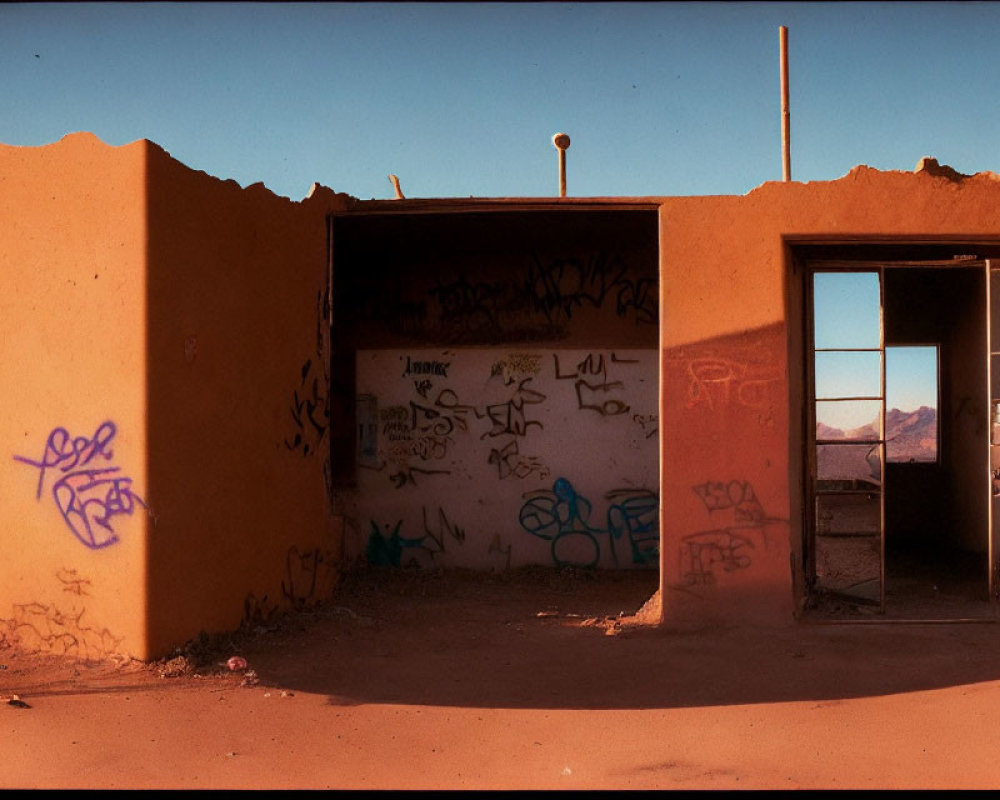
{"x": 901, "y": 608}
{"x": 887, "y": 620}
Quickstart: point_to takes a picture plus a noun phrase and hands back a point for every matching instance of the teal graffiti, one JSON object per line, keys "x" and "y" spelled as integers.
{"x": 387, "y": 551}
{"x": 562, "y": 518}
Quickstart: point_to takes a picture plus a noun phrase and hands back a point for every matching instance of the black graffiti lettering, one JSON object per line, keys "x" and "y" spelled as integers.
{"x": 585, "y": 393}
{"x": 438, "y": 368}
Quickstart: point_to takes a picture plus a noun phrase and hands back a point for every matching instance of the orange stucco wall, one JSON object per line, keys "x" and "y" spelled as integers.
{"x": 238, "y": 347}
{"x": 164, "y": 339}
{"x": 731, "y": 400}
{"x": 72, "y": 366}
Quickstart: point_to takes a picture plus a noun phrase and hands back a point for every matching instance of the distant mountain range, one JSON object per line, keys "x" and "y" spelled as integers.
{"x": 910, "y": 436}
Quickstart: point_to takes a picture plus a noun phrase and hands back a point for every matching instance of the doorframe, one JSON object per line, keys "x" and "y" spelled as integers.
{"x": 801, "y": 254}
{"x": 812, "y": 268}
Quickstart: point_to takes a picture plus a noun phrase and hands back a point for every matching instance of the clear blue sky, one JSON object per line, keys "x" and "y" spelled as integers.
{"x": 463, "y": 99}
{"x": 847, "y": 317}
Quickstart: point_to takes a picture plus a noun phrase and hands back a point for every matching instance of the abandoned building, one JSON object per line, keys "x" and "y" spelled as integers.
{"x": 217, "y": 399}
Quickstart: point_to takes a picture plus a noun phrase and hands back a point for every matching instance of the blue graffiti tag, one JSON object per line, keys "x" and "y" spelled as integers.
{"x": 87, "y": 493}
{"x": 636, "y": 512}
{"x": 561, "y": 517}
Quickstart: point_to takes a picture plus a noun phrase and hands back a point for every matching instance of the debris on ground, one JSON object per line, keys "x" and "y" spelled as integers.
{"x": 121, "y": 661}
{"x": 236, "y": 663}
{"x": 175, "y": 668}
{"x": 17, "y": 702}
{"x": 250, "y": 678}
{"x": 612, "y": 628}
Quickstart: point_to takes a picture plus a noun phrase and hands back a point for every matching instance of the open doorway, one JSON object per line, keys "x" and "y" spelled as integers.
{"x": 495, "y": 386}
{"x": 898, "y": 517}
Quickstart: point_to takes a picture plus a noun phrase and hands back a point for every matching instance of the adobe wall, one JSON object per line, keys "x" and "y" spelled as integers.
{"x": 731, "y": 398}
{"x": 237, "y": 404}
{"x": 74, "y": 489}
{"x": 167, "y": 414}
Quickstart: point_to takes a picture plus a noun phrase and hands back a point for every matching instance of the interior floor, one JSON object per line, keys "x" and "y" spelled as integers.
{"x": 921, "y": 583}
{"x": 937, "y": 583}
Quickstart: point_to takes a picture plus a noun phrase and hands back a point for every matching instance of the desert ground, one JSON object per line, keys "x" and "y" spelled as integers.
{"x": 535, "y": 679}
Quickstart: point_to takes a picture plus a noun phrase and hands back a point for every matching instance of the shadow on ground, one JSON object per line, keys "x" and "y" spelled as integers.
{"x": 565, "y": 640}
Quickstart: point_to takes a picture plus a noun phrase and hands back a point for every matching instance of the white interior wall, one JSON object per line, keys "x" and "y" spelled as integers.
{"x": 489, "y": 458}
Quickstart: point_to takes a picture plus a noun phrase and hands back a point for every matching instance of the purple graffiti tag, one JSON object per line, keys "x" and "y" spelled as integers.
{"x": 88, "y": 494}
{"x": 89, "y": 498}
{"x": 66, "y": 453}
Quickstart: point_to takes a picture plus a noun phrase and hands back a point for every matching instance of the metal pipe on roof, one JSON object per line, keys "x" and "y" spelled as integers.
{"x": 561, "y": 142}
{"x": 786, "y": 135}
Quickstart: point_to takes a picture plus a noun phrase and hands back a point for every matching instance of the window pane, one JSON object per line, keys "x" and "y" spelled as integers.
{"x": 846, "y": 310}
{"x": 911, "y": 421}
{"x": 848, "y": 375}
{"x": 848, "y": 514}
{"x": 849, "y": 564}
{"x": 848, "y": 419}
{"x": 848, "y": 466}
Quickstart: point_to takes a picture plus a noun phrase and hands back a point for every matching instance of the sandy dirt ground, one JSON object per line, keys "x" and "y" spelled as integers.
{"x": 527, "y": 680}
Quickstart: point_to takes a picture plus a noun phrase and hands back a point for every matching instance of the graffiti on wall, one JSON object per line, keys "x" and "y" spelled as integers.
{"x": 742, "y": 372}
{"x": 562, "y": 285}
{"x": 426, "y": 367}
{"x": 508, "y": 417}
{"x": 309, "y": 576}
{"x": 562, "y": 516}
{"x": 72, "y": 582}
{"x": 730, "y": 546}
{"x": 552, "y": 290}
{"x": 408, "y": 476}
{"x": 537, "y": 300}
{"x": 44, "y": 627}
{"x": 594, "y": 390}
{"x": 425, "y": 429}
{"x": 717, "y": 382}
{"x": 387, "y": 547}
{"x": 511, "y": 464}
{"x": 648, "y": 422}
{"x": 509, "y": 420}
{"x": 512, "y": 366}
{"x": 483, "y": 416}
{"x": 89, "y": 490}
{"x": 258, "y": 612}
{"x": 309, "y": 410}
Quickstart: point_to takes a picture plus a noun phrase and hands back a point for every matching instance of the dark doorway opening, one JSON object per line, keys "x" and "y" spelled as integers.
{"x": 495, "y": 384}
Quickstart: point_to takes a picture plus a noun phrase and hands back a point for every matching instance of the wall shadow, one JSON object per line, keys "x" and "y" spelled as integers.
{"x": 506, "y": 643}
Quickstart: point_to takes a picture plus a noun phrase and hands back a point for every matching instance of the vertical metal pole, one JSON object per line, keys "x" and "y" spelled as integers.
{"x": 883, "y": 452}
{"x": 786, "y": 157}
{"x": 991, "y": 391}
{"x": 561, "y": 142}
